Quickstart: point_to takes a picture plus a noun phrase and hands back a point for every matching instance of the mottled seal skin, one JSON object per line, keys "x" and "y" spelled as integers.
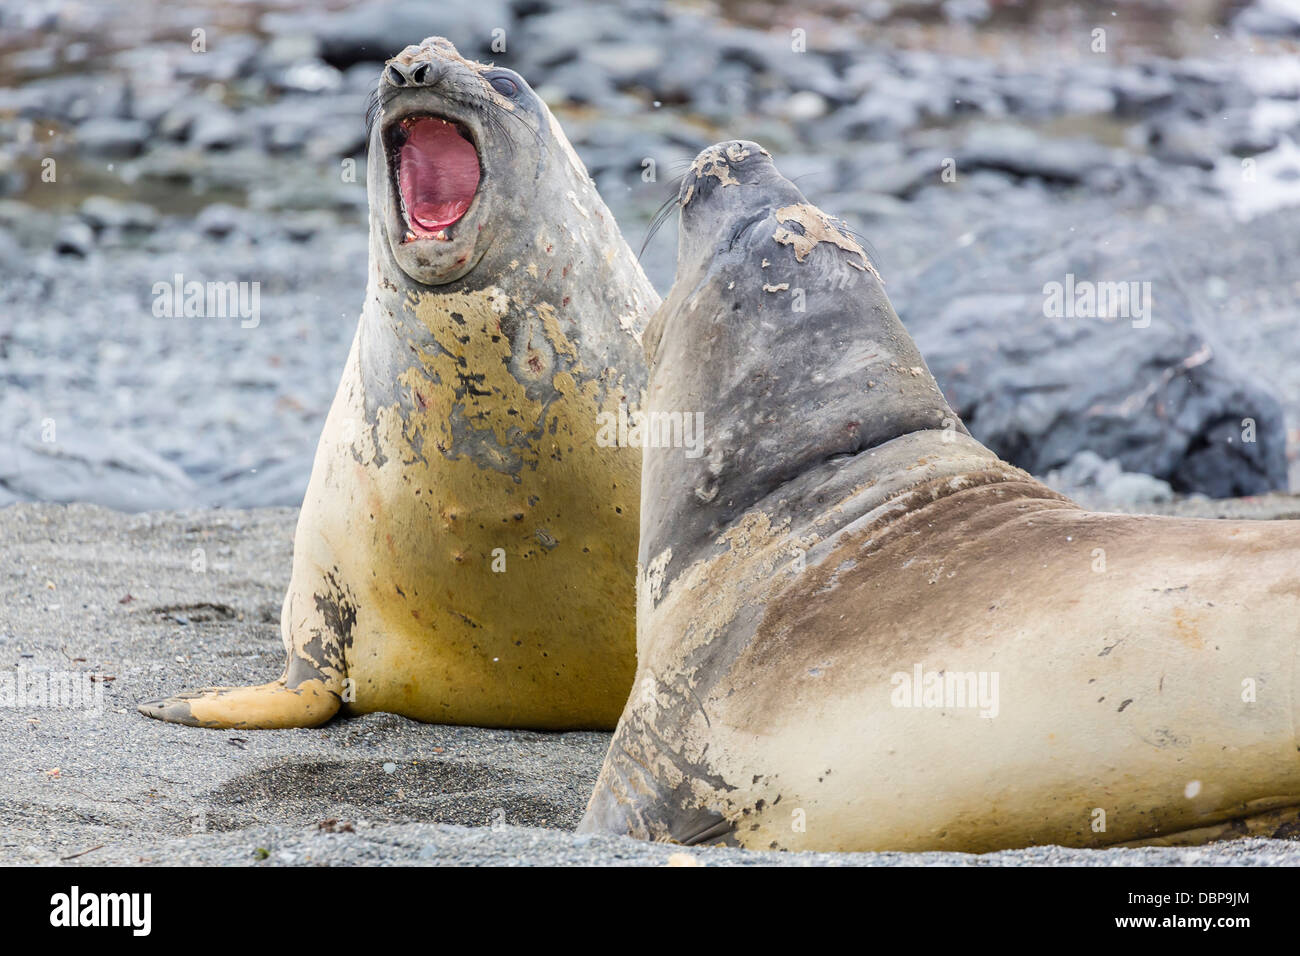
{"x": 466, "y": 549}
{"x": 842, "y": 530}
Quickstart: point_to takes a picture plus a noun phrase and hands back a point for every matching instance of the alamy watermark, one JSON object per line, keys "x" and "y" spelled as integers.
{"x": 52, "y": 690}
{"x": 950, "y": 690}
{"x": 1084, "y": 299}
{"x": 208, "y": 300}
{"x": 637, "y": 429}
{"x": 133, "y": 911}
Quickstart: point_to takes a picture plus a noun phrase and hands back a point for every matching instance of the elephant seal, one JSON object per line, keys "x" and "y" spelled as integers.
{"x": 466, "y": 548}
{"x": 859, "y": 629}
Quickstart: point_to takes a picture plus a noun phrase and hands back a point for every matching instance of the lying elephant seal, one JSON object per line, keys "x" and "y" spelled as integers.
{"x": 859, "y": 629}
{"x": 466, "y": 549}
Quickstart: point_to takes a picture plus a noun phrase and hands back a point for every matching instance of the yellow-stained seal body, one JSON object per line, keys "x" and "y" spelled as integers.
{"x": 466, "y": 548}
{"x": 861, "y": 630}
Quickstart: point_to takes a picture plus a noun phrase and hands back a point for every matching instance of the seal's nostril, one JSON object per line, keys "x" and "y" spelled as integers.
{"x": 420, "y": 74}
{"x": 394, "y": 76}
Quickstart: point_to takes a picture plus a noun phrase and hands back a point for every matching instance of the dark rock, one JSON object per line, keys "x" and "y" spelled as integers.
{"x": 104, "y": 212}
{"x": 228, "y": 55}
{"x": 564, "y": 34}
{"x": 1021, "y": 152}
{"x": 891, "y": 107}
{"x": 218, "y": 128}
{"x": 377, "y": 31}
{"x": 307, "y": 76}
{"x": 1140, "y": 91}
{"x": 1088, "y": 478}
{"x": 74, "y": 238}
{"x": 1038, "y": 392}
{"x": 884, "y": 168}
{"x": 577, "y": 82}
{"x": 177, "y": 121}
{"x": 1164, "y": 400}
{"x": 11, "y": 254}
{"x": 76, "y": 98}
{"x": 26, "y": 224}
{"x": 152, "y": 106}
{"x": 219, "y": 220}
{"x": 1182, "y": 142}
{"x": 336, "y": 139}
{"x": 112, "y": 137}
{"x": 276, "y": 483}
{"x": 102, "y": 469}
{"x": 1269, "y": 18}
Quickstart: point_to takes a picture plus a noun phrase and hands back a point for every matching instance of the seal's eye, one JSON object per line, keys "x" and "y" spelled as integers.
{"x": 505, "y": 86}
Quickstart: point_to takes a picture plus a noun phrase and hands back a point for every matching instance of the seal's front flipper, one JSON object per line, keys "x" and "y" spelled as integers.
{"x": 316, "y": 628}
{"x": 266, "y": 707}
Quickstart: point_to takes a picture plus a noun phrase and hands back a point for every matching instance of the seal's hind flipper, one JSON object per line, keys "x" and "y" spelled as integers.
{"x": 266, "y": 707}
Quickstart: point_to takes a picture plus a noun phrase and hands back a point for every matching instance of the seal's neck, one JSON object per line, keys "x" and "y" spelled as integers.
{"x": 791, "y": 362}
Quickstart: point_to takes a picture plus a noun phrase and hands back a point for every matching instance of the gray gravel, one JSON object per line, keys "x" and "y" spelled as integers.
{"x": 112, "y": 787}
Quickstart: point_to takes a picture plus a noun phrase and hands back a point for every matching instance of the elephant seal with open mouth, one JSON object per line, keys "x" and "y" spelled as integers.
{"x": 859, "y": 629}
{"x": 466, "y": 549}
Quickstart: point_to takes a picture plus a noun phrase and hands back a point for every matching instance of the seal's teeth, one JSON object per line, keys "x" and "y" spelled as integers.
{"x": 440, "y": 234}
{"x": 410, "y": 237}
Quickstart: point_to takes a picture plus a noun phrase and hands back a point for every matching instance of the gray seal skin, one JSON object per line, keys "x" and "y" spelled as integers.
{"x": 858, "y": 629}
{"x": 466, "y": 547}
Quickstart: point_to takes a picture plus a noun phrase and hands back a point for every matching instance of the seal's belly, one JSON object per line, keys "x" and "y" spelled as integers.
{"x": 473, "y": 619}
{"x": 1063, "y": 677}
{"x": 489, "y": 539}
{"x": 1076, "y": 679}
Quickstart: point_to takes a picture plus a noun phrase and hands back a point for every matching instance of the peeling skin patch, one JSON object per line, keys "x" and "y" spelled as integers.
{"x": 818, "y": 227}
{"x": 781, "y": 287}
{"x": 573, "y": 198}
{"x": 627, "y": 323}
{"x": 1187, "y": 629}
{"x": 496, "y": 300}
{"x": 551, "y": 323}
{"x": 654, "y": 574}
{"x": 716, "y": 162}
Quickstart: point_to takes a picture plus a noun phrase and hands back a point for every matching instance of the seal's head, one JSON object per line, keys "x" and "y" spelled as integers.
{"x": 778, "y": 332}
{"x": 737, "y": 211}
{"x": 710, "y": 208}
{"x": 452, "y": 144}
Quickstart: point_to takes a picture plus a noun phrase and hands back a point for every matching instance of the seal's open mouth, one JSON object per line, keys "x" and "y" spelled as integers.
{"x": 437, "y": 171}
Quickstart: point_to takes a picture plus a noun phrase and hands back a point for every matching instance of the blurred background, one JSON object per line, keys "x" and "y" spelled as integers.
{"x": 986, "y": 148}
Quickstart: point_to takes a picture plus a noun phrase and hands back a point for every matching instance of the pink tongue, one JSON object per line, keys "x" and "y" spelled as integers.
{"x": 438, "y": 175}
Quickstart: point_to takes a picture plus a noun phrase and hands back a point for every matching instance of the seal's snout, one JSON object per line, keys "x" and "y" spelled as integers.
{"x": 423, "y": 70}
{"x": 422, "y": 65}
